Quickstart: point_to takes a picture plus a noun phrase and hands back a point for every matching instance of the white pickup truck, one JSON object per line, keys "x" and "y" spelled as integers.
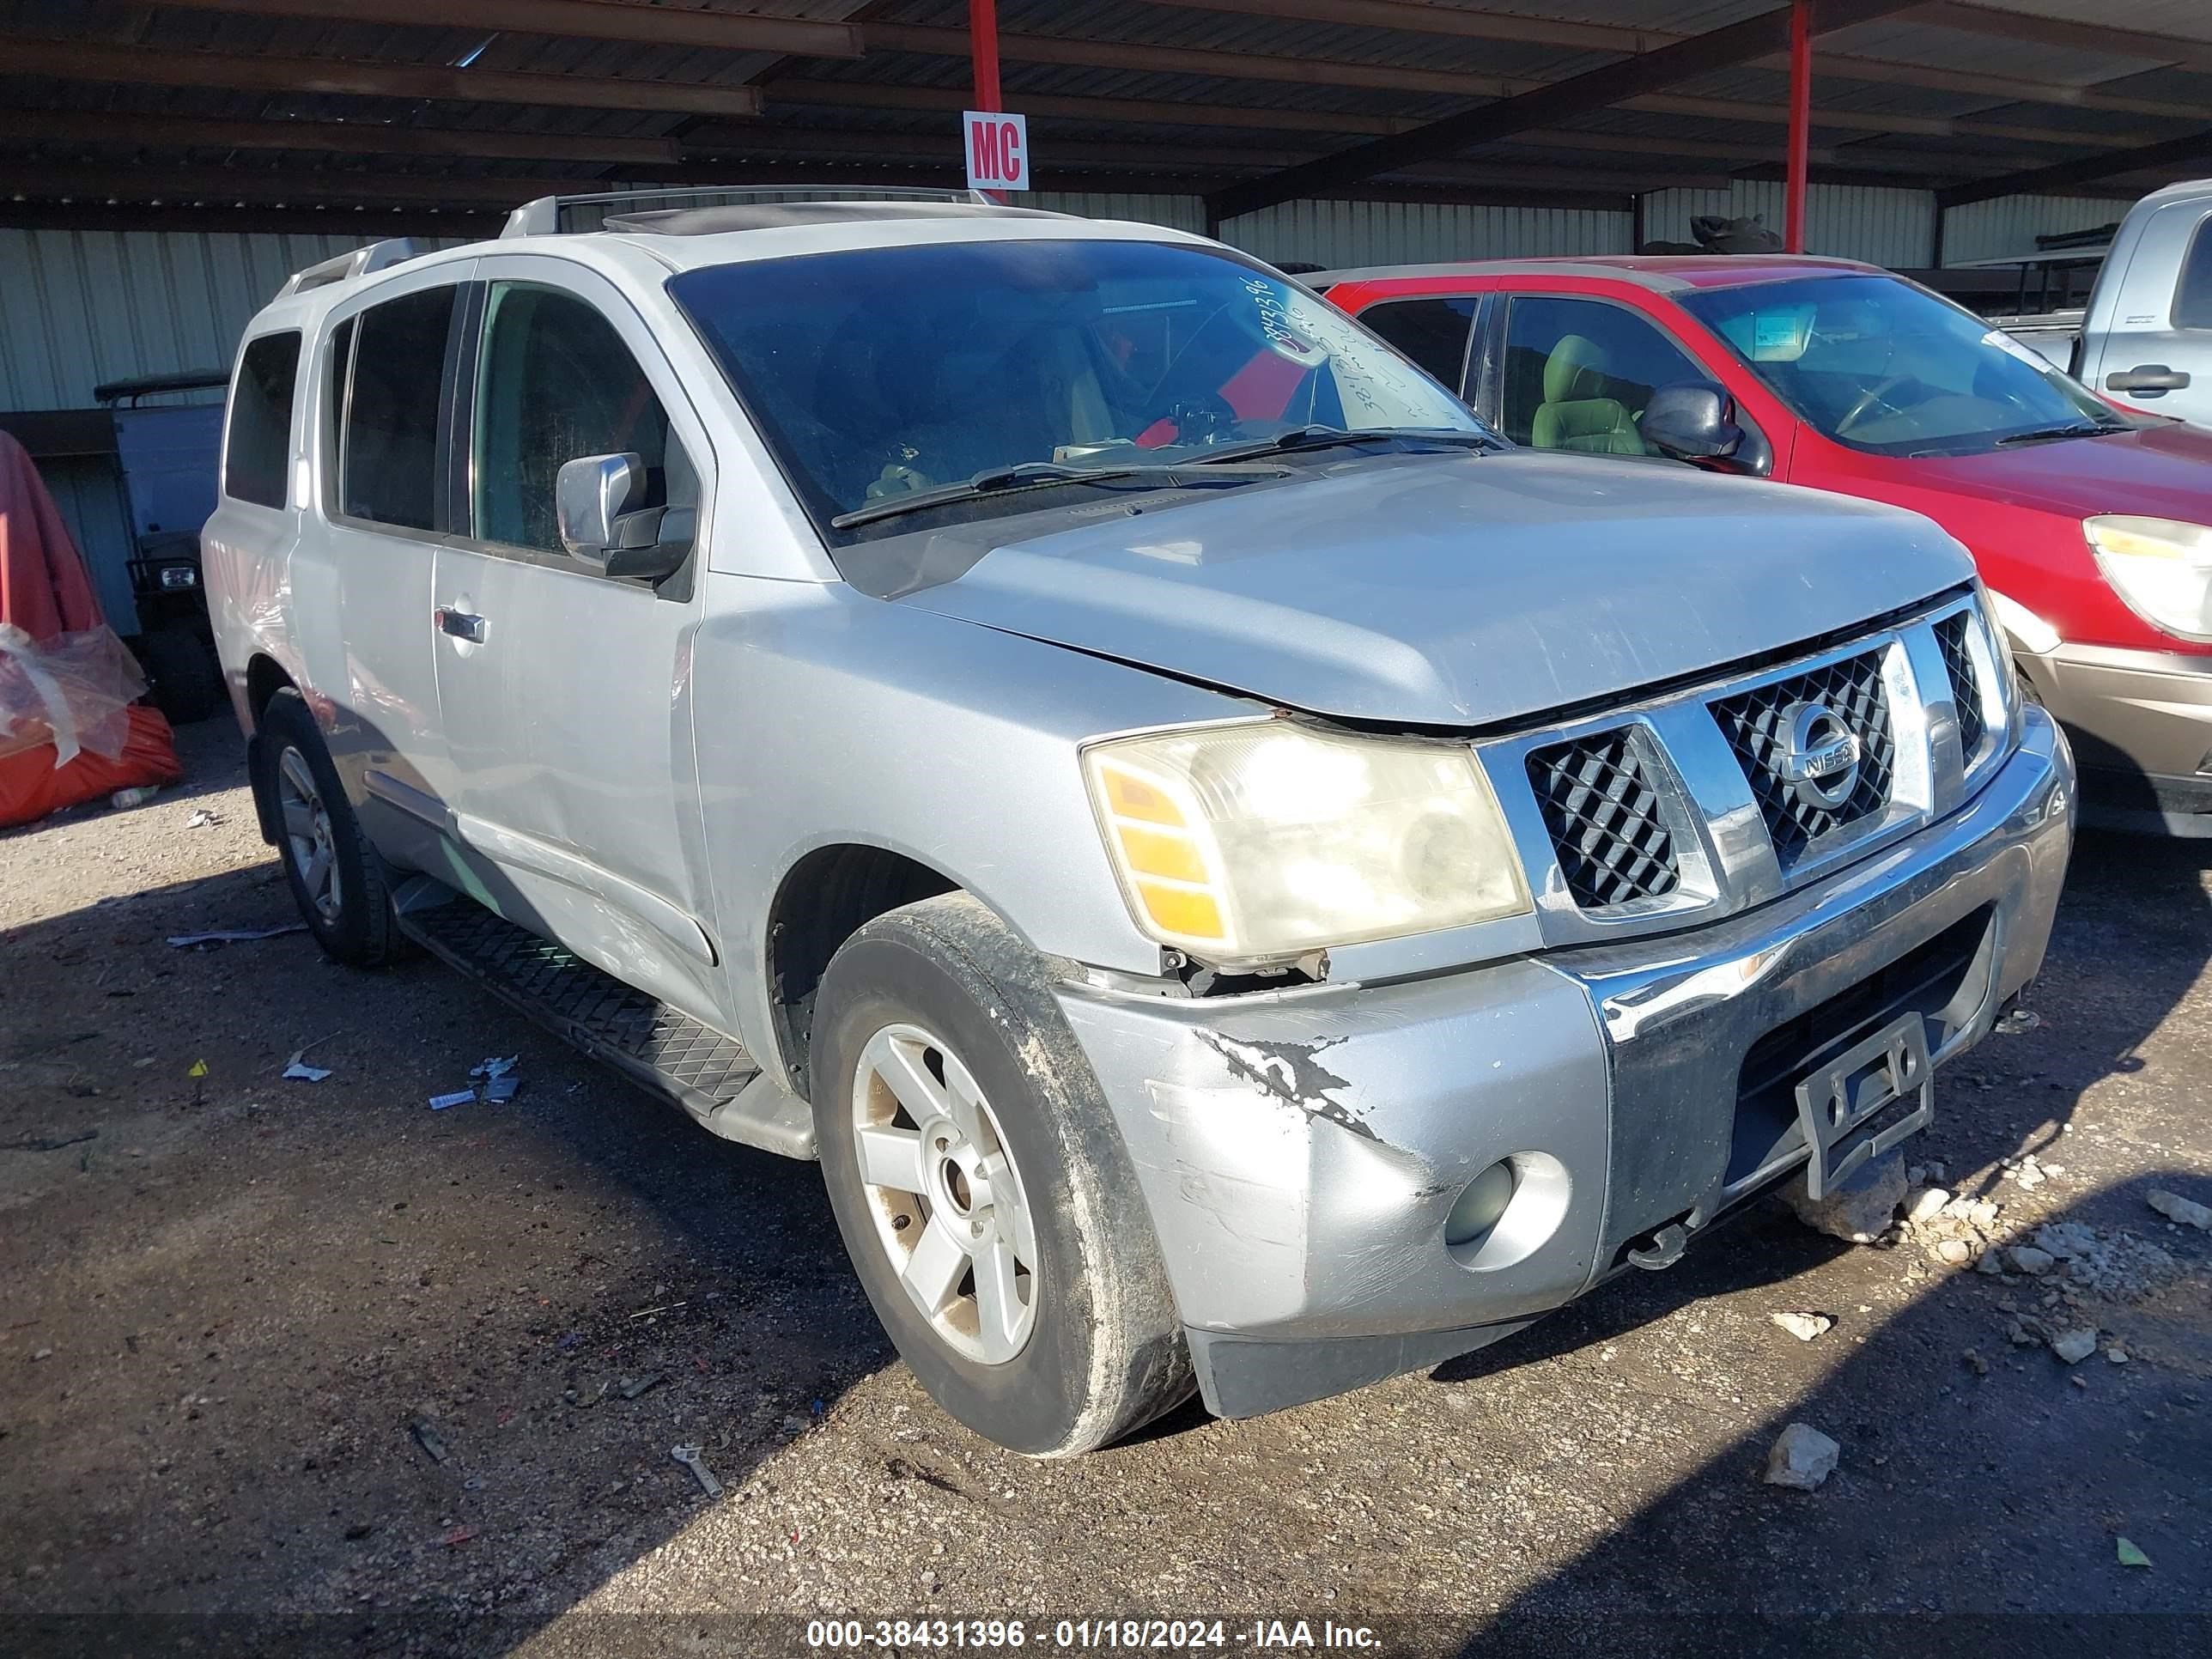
{"x": 2147, "y": 339}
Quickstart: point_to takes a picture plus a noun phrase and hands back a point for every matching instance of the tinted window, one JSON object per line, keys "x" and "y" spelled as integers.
{"x": 1578, "y": 375}
{"x": 1881, "y": 364}
{"x": 2192, "y": 294}
{"x": 554, "y": 385}
{"x": 390, "y": 465}
{"x": 1432, "y": 332}
{"x": 881, "y": 372}
{"x": 255, "y": 461}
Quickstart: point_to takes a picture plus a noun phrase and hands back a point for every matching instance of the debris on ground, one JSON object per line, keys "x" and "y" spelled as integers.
{"x": 690, "y": 1458}
{"x": 48, "y": 1143}
{"x": 631, "y": 1387}
{"x": 1803, "y": 1326}
{"x": 2129, "y": 1556}
{"x": 1924, "y": 1205}
{"x": 1801, "y": 1458}
{"x": 2114, "y": 1263}
{"x": 2017, "y": 1021}
{"x": 136, "y": 796}
{"x": 427, "y": 1437}
{"x": 1975, "y": 1363}
{"x": 2174, "y": 1208}
{"x": 299, "y": 1070}
{"x": 446, "y": 1103}
{"x": 2075, "y": 1346}
{"x": 1861, "y": 1210}
{"x": 458, "y": 1535}
{"x": 204, "y": 819}
{"x": 235, "y": 935}
{"x": 2026, "y": 1259}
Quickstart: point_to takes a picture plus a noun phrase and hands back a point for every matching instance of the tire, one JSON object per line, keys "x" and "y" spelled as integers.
{"x": 351, "y": 916}
{"x": 1090, "y": 1348}
{"x": 183, "y": 676}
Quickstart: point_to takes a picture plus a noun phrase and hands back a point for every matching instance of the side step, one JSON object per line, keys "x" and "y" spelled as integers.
{"x": 665, "y": 1052}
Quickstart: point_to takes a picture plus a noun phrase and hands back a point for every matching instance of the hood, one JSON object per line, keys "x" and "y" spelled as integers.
{"x": 2162, "y": 472}
{"x": 1459, "y": 590}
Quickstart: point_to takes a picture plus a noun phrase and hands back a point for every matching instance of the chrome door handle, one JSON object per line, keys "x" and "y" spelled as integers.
{"x": 460, "y": 625}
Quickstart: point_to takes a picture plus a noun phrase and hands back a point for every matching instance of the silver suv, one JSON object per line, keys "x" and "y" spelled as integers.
{"x": 1244, "y": 879}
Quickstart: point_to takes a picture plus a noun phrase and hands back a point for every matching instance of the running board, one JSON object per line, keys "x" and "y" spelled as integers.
{"x": 666, "y": 1053}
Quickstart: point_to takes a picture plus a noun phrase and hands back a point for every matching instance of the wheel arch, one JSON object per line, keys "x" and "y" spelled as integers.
{"x": 826, "y": 896}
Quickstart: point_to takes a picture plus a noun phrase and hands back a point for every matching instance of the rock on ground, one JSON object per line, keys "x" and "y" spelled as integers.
{"x": 1803, "y": 1457}
{"x": 2174, "y": 1208}
{"x": 1860, "y": 1211}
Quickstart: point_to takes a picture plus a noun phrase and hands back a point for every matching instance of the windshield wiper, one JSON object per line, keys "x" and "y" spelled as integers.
{"x": 1331, "y": 437}
{"x": 1034, "y": 475}
{"x": 2073, "y": 429}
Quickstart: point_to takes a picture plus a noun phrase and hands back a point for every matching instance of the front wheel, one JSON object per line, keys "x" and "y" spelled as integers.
{"x": 982, "y": 1190}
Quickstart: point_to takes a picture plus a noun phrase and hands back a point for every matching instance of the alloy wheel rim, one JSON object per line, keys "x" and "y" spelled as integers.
{"x": 948, "y": 1205}
{"x": 308, "y": 837}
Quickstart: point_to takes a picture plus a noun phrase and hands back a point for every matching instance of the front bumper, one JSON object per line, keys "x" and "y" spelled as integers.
{"x": 2142, "y": 726}
{"x": 1299, "y": 1151}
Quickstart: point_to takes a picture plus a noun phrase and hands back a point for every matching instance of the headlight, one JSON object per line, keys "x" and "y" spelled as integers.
{"x": 2161, "y": 567}
{"x": 1265, "y": 841}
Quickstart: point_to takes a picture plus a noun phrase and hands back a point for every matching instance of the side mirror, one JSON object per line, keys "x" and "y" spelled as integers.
{"x": 1694, "y": 421}
{"x": 598, "y": 501}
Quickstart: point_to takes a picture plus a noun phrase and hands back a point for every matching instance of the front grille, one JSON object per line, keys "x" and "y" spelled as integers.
{"x": 1757, "y": 726}
{"x": 1604, "y": 820}
{"x": 1965, "y": 683}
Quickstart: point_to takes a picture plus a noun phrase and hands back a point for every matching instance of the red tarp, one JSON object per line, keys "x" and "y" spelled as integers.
{"x": 67, "y": 730}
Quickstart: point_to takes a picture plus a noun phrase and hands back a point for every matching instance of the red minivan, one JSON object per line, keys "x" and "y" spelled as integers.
{"x": 2092, "y": 525}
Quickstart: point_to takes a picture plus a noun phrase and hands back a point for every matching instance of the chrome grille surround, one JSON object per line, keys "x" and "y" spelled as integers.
{"x": 1705, "y": 759}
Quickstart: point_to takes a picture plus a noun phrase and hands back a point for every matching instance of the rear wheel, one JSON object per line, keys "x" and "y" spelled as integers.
{"x": 182, "y": 675}
{"x": 982, "y": 1190}
{"x": 336, "y": 877}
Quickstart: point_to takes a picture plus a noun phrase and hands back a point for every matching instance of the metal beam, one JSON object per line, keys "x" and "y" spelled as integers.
{"x": 2106, "y": 164}
{"x": 863, "y": 95}
{"x": 2102, "y": 38}
{"x": 1414, "y": 16}
{"x": 1166, "y": 161}
{"x": 1562, "y": 101}
{"x": 56, "y": 128}
{"x": 586, "y": 20}
{"x": 218, "y": 197}
{"x": 35, "y": 58}
{"x": 1303, "y": 71}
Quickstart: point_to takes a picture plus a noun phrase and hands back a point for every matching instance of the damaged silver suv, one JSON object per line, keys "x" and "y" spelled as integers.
{"x": 1243, "y": 880}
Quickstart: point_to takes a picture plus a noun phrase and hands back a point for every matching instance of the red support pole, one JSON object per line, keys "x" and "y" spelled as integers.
{"x": 983, "y": 45}
{"x": 1800, "y": 120}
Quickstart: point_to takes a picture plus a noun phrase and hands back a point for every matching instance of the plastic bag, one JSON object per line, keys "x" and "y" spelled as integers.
{"x": 73, "y": 691}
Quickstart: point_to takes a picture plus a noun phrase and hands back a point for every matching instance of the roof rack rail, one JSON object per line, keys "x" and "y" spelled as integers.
{"x": 377, "y": 256}
{"x": 548, "y": 215}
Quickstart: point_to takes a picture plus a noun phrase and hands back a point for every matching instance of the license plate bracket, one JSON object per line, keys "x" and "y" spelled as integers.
{"x": 1839, "y": 1104}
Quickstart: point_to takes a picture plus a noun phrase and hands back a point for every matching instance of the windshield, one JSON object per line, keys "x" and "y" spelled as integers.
{"x": 883, "y": 372}
{"x": 1879, "y": 364}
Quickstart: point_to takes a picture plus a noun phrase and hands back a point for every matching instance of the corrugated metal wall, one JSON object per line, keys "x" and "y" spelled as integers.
{"x": 1882, "y": 226}
{"x": 1338, "y": 233}
{"x": 79, "y": 307}
{"x": 2010, "y": 224}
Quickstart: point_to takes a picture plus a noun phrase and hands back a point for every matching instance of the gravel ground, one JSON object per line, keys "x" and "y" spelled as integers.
{"x": 229, "y": 1307}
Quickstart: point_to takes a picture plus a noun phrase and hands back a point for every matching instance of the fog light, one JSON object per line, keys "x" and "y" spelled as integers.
{"x": 1479, "y": 1206}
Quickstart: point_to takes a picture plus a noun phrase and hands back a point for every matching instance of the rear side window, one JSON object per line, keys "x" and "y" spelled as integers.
{"x": 1432, "y": 332}
{"x": 388, "y": 441}
{"x": 2192, "y": 294}
{"x": 254, "y": 462}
